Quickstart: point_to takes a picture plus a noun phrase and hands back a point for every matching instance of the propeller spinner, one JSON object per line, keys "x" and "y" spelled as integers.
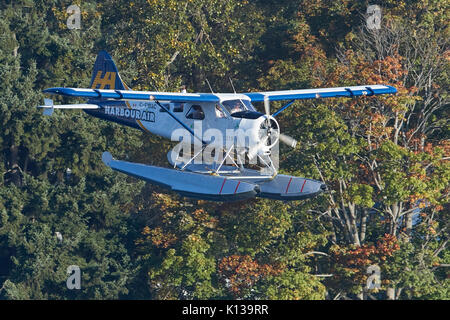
{"x": 269, "y": 134}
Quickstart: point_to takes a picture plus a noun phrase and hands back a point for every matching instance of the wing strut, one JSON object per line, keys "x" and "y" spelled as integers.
{"x": 282, "y": 108}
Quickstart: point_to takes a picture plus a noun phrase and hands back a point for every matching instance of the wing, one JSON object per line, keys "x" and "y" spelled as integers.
{"x": 350, "y": 91}
{"x": 364, "y": 90}
{"x": 134, "y": 95}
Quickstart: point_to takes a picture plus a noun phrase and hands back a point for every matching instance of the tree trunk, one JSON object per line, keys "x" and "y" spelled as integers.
{"x": 361, "y": 295}
{"x": 14, "y": 174}
{"x": 409, "y": 224}
{"x": 363, "y": 225}
{"x": 13, "y": 155}
{"x": 390, "y": 293}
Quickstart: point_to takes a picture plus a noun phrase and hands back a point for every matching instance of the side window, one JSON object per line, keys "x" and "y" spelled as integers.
{"x": 178, "y": 107}
{"x": 196, "y": 113}
{"x": 165, "y": 105}
{"x": 219, "y": 112}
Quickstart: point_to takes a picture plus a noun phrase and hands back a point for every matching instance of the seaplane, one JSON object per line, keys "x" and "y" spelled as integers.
{"x": 235, "y": 147}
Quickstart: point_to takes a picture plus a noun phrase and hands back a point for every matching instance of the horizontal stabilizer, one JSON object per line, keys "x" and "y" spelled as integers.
{"x": 49, "y": 106}
{"x": 72, "y": 106}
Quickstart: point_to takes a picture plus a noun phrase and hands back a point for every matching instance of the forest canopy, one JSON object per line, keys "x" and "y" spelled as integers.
{"x": 385, "y": 159}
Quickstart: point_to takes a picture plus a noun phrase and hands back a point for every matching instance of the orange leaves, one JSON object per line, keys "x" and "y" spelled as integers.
{"x": 414, "y": 140}
{"x": 316, "y": 59}
{"x": 375, "y": 125}
{"x": 351, "y": 263}
{"x": 242, "y": 272}
{"x": 445, "y": 146}
{"x": 386, "y": 246}
{"x": 376, "y": 118}
{"x": 356, "y": 68}
{"x": 303, "y": 37}
{"x": 390, "y": 69}
{"x": 414, "y": 198}
{"x": 428, "y": 148}
{"x": 203, "y": 218}
{"x": 156, "y": 237}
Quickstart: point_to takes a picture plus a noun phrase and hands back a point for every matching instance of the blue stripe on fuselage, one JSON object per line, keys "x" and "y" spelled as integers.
{"x": 117, "y": 111}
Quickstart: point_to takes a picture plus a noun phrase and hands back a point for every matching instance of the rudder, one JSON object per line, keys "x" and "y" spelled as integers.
{"x": 105, "y": 74}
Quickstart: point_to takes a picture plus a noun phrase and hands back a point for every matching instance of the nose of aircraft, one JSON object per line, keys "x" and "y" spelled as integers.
{"x": 251, "y": 136}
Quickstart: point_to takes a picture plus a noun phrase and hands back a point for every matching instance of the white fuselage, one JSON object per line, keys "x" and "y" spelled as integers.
{"x": 212, "y": 122}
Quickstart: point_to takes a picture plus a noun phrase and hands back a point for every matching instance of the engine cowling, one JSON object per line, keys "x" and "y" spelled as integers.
{"x": 259, "y": 135}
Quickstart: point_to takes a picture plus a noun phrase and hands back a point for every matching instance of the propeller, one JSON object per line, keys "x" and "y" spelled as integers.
{"x": 270, "y": 131}
{"x": 291, "y": 142}
{"x": 267, "y": 106}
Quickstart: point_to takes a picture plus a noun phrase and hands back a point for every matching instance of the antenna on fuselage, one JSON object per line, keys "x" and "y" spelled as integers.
{"x": 210, "y": 88}
{"x": 231, "y": 81}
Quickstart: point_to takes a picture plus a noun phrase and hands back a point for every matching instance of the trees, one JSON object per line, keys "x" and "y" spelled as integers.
{"x": 183, "y": 42}
{"x": 384, "y": 159}
{"x": 38, "y": 195}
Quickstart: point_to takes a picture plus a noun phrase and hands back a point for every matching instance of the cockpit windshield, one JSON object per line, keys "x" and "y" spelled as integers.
{"x": 237, "y": 105}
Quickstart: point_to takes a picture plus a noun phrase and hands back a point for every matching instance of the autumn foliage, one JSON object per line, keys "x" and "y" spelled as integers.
{"x": 385, "y": 159}
{"x": 350, "y": 264}
{"x": 240, "y": 273}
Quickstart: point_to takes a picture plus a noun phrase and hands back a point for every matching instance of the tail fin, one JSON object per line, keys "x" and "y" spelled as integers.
{"x": 105, "y": 74}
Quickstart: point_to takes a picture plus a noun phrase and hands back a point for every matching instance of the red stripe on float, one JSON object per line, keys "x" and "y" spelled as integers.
{"x": 287, "y": 188}
{"x": 223, "y": 183}
{"x": 237, "y": 187}
{"x": 303, "y": 186}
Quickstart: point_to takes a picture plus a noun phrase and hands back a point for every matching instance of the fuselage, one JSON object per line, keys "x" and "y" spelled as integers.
{"x": 233, "y": 120}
